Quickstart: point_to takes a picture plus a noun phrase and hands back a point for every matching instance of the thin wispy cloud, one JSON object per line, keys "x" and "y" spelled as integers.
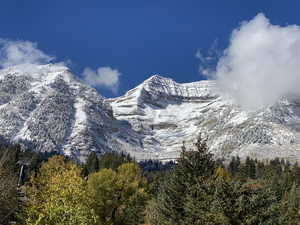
{"x": 102, "y": 77}
{"x": 261, "y": 64}
{"x": 208, "y": 59}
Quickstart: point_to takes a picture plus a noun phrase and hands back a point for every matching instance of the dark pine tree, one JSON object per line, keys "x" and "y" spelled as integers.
{"x": 92, "y": 164}
{"x": 168, "y": 207}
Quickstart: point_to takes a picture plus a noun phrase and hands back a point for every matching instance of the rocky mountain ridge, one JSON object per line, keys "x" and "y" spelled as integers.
{"x": 166, "y": 114}
{"x": 46, "y": 108}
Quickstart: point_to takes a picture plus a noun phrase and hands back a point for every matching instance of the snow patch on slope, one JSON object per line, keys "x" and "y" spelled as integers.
{"x": 166, "y": 114}
{"x": 48, "y": 109}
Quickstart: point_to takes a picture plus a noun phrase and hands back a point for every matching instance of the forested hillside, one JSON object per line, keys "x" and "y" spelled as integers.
{"x": 114, "y": 189}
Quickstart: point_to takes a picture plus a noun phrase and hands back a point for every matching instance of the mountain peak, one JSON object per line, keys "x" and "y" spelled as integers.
{"x": 156, "y": 77}
{"x": 157, "y": 84}
{"x": 46, "y": 108}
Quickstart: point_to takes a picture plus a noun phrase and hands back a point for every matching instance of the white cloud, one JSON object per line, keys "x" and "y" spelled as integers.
{"x": 207, "y": 61}
{"x": 261, "y": 64}
{"x": 199, "y": 55}
{"x": 21, "y": 52}
{"x": 26, "y": 54}
{"x": 103, "y": 77}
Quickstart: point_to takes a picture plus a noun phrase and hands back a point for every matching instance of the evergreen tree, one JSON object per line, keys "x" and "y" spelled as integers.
{"x": 259, "y": 207}
{"x": 252, "y": 169}
{"x": 296, "y": 172}
{"x": 260, "y": 171}
{"x": 232, "y": 167}
{"x": 200, "y": 207}
{"x": 246, "y": 204}
{"x": 112, "y": 160}
{"x": 290, "y": 206}
{"x": 92, "y": 164}
{"x": 276, "y": 186}
{"x": 238, "y": 163}
{"x": 194, "y": 165}
{"x": 275, "y": 167}
{"x": 9, "y": 169}
{"x": 8, "y": 195}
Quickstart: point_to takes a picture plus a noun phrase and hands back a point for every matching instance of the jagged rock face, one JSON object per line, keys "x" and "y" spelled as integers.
{"x": 166, "y": 114}
{"x": 47, "y": 109}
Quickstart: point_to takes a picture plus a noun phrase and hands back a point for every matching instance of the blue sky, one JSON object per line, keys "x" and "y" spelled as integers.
{"x": 139, "y": 37}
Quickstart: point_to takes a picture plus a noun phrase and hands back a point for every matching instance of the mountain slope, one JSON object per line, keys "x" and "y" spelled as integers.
{"x": 166, "y": 114}
{"x": 46, "y": 108}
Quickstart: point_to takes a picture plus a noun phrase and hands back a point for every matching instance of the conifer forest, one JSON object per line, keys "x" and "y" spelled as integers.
{"x": 115, "y": 189}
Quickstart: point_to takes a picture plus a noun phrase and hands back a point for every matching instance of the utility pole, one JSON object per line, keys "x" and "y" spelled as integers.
{"x": 22, "y": 163}
{"x": 20, "y": 193}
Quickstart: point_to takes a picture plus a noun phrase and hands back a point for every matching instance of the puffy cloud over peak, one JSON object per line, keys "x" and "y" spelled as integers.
{"x": 261, "y": 64}
{"x": 21, "y": 52}
{"x": 103, "y": 77}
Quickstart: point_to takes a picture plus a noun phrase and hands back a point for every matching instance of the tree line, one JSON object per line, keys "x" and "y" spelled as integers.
{"x": 114, "y": 189}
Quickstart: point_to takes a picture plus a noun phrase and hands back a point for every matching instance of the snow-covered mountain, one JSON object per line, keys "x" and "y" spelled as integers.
{"x": 46, "y": 108}
{"x": 166, "y": 114}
